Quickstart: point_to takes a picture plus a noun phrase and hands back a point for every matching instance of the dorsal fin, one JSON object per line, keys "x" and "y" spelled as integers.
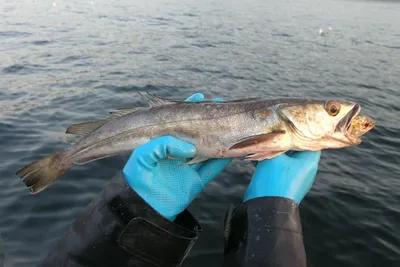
{"x": 124, "y": 111}
{"x": 154, "y": 100}
{"x": 242, "y": 100}
{"x": 86, "y": 128}
{"x": 73, "y": 141}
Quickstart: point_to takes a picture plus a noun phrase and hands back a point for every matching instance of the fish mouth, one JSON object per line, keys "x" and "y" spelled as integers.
{"x": 345, "y": 123}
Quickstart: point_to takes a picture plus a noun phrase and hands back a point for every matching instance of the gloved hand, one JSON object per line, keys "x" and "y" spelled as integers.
{"x": 287, "y": 175}
{"x": 165, "y": 185}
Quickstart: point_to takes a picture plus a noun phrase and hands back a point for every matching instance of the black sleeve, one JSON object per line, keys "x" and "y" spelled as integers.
{"x": 264, "y": 232}
{"x": 119, "y": 229}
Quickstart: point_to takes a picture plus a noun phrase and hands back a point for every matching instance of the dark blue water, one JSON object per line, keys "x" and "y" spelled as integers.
{"x": 73, "y": 61}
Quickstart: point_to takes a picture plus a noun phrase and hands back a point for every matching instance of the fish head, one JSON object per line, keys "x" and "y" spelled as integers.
{"x": 327, "y": 124}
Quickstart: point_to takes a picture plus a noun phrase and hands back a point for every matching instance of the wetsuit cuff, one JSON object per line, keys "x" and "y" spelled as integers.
{"x": 150, "y": 237}
{"x": 276, "y": 212}
{"x": 264, "y": 231}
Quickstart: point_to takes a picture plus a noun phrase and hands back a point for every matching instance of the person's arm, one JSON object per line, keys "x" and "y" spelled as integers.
{"x": 120, "y": 229}
{"x": 266, "y": 229}
{"x": 140, "y": 218}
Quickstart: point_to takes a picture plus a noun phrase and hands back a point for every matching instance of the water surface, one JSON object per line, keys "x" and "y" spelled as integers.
{"x": 65, "y": 62}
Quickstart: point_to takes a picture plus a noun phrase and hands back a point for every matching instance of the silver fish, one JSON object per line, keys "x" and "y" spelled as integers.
{"x": 251, "y": 128}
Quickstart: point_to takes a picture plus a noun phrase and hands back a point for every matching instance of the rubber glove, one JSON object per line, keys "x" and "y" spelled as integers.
{"x": 287, "y": 175}
{"x": 163, "y": 183}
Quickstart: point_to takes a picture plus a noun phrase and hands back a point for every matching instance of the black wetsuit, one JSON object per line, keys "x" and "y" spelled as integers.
{"x": 118, "y": 229}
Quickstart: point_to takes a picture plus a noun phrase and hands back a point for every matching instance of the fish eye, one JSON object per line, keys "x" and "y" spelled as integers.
{"x": 333, "y": 108}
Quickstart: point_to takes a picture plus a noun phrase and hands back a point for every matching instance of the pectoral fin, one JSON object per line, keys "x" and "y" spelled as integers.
{"x": 192, "y": 161}
{"x": 195, "y": 160}
{"x": 259, "y": 156}
{"x": 257, "y": 139}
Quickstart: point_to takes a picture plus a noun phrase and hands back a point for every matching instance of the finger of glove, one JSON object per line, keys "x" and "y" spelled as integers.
{"x": 218, "y": 99}
{"x": 198, "y": 97}
{"x": 163, "y": 147}
{"x": 212, "y": 168}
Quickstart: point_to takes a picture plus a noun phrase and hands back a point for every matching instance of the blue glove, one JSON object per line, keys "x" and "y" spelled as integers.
{"x": 290, "y": 176}
{"x": 165, "y": 185}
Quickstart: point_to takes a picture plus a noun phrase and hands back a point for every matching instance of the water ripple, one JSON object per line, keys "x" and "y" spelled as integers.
{"x": 23, "y": 69}
{"x": 14, "y": 34}
{"x": 77, "y": 60}
{"x": 42, "y": 42}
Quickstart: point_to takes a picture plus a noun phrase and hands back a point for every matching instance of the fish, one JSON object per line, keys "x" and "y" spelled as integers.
{"x": 251, "y": 128}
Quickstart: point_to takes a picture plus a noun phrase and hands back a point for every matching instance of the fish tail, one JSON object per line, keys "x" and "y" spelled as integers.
{"x": 40, "y": 174}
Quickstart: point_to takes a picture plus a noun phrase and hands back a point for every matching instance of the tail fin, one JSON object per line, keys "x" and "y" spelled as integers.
{"x": 40, "y": 174}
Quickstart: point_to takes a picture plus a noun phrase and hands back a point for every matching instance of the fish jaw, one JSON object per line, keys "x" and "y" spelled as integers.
{"x": 350, "y": 129}
{"x": 353, "y": 126}
{"x": 341, "y": 137}
{"x": 342, "y": 128}
{"x": 358, "y": 127}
